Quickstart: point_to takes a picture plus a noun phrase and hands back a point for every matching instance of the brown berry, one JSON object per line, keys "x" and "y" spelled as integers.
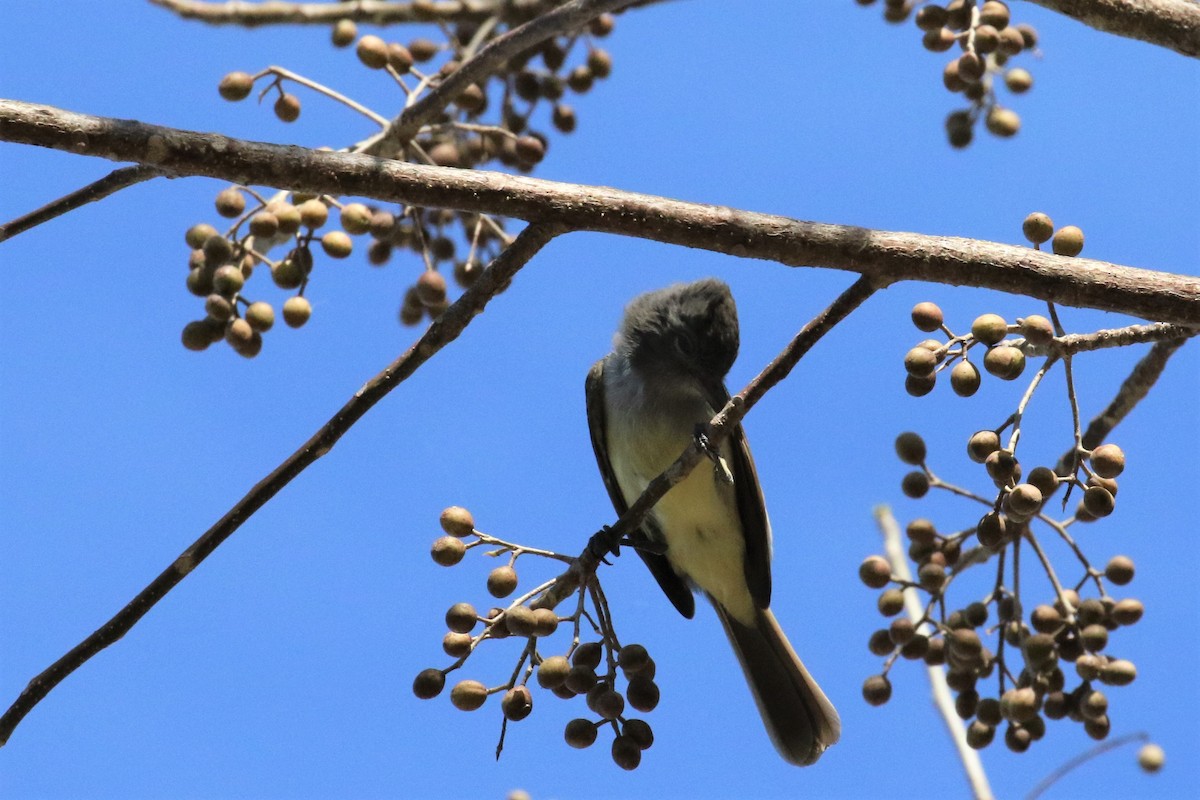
{"x": 875, "y": 572}
{"x": 877, "y": 690}
{"x": 461, "y": 617}
{"x": 287, "y": 107}
{"x": 1068, "y": 241}
{"x": 517, "y": 703}
{"x": 468, "y": 695}
{"x": 552, "y": 672}
{"x": 642, "y": 693}
{"x": 964, "y": 378}
{"x": 1151, "y": 757}
{"x": 1005, "y": 362}
{"x": 457, "y": 521}
{"x": 501, "y": 581}
{"x": 580, "y": 733}
{"x": 1038, "y": 228}
{"x": 1119, "y": 570}
{"x": 235, "y": 86}
{"x": 428, "y": 683}
{"x": 336, "y": 244}
{"x": 1108, "y": 461}
{"x": 296, "y": 311}
{"x": 448, "y": 551}
{"x": 372, "y": 52}
{"x": 343, "y": 33}
{"x": 982, "y": 444}
{"x": 989, "y": 329}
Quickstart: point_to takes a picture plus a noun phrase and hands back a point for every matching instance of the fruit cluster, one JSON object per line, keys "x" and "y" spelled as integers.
{"x": 1067, "y": 632}
{"x": 488, "y": 124}
{"x": 588, "y": 668}
{"x": 1027, "y": 655}
{"x": 986, "y": 39}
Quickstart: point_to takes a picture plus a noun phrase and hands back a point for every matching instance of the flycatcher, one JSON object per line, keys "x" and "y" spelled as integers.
{"x": 646, "y": 401}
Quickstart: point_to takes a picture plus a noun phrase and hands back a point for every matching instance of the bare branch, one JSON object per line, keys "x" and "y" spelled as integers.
{"x": 1169, "y": 23}
{"x": 1082, "y": 759}
{"x": 1134, "y": 388}
{"x": 980, "y": 788}
{"x": 111, "y": 183}
{"x": 886, "y": 257}
{"x": 441, "y": 332}
{"x": 376, "y": 12}
{"x": 718, "y": 428}
{"x": 1073, "y": 343}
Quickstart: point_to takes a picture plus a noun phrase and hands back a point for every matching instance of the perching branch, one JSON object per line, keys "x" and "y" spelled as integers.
{"x": 980, "y": 788}
{"x": 886, "y": 257}
{"x": 718, "y": 428}
{"x": 1168, "y": 23}
{"x": 111, "y": 183}
{"x": 441, "y": 332}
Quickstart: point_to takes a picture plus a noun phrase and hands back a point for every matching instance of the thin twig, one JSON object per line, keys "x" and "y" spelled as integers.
{"x": 1015, "y": 436}
{"x": 441, "y": 332}
{"x": 1109, "y": 337}
{"x": 320, "y": 88}
{"x": 718, "y": 428}
{"x": 113, "y": 182}
{"x": 1134, "y": 388}
{"x": 942, "y": 698}
{"x": 1082, "y": 759}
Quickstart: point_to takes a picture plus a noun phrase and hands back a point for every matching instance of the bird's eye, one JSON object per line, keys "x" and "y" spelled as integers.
{"x": 685, "y": 346}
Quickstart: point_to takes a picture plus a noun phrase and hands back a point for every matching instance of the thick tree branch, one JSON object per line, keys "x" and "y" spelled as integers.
{"x": 111, "y": 183}
{"x": 443, "y": 331}
{"x": 718, "y": 428}
{"x": 377, "y": 12}
{"x": 1169, "y": 23}
{"x": 886, "y": 257}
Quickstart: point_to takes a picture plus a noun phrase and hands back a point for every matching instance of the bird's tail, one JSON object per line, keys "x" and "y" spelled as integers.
{"x": 799, "y": 717}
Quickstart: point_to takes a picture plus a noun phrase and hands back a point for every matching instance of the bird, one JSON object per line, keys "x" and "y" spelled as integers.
{"x": 646, "y": 401}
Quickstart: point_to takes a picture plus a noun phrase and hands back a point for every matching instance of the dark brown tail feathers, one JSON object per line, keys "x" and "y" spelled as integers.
{"x": 799, "y": 718}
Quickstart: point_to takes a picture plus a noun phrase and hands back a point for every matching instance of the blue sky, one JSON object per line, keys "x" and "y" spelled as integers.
{"x": 281, "y": 667}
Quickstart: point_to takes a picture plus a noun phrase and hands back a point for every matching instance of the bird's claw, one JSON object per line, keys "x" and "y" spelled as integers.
{"x": 601, "y": 545}
{"x": 720, "y": 466}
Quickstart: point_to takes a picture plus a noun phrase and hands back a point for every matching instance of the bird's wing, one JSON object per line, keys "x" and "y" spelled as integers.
{"x": 673, "y": 586}
{"x": 752, "y": 509}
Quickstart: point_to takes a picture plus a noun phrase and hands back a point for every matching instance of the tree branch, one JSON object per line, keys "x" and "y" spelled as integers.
{"x": 375, "y": 12}
{"x": 886, "y": 257}
{"x": 1168, "y": 23}
{"x": 718, "y": 428}
{"x": 441, "y": 332}
{"x": 1073, "y": 343}
{"x": 111, "y": 183}
{"x": 1133, "y": 390}
{"x": 972, "y": 765}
